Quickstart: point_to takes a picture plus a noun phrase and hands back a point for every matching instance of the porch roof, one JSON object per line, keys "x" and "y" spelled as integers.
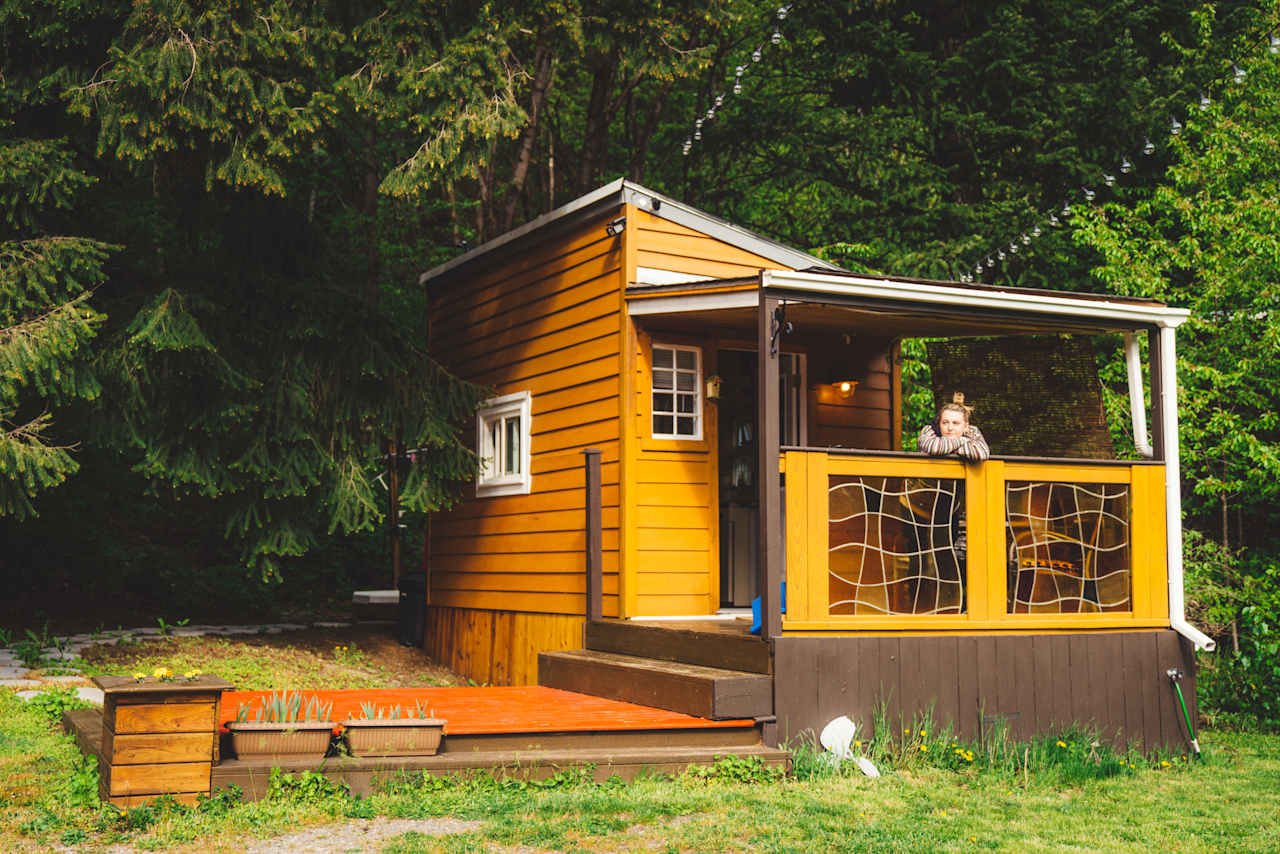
{"x": 898, "y": 306}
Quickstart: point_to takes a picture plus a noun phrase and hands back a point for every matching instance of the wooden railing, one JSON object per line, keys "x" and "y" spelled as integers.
{"x": 908, "y": 543}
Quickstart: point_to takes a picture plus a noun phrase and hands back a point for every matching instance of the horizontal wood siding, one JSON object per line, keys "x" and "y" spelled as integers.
{"x": 498, "y": 647}
{"x": 665, "y": 245}
{"x": 1114, "y": 682}
{"x": 862, "y": 420}
{"x": 675, "y": 520}
{"x": 546, "y": 322}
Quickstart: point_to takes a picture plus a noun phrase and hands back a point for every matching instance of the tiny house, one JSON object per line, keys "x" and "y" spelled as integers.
{"x": 739, "y": 405}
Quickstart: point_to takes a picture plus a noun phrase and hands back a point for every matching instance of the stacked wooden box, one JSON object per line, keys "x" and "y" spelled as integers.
{"x": 158, "y": 737}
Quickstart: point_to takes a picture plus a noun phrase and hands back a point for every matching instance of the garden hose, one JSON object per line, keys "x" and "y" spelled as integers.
{"x": 1174, "y": 674}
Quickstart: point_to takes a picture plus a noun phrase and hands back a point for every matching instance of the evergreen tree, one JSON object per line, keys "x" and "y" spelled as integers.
{"x": 47, "y": 272}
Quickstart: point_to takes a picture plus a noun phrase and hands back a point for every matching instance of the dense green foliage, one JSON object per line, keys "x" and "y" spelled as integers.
{"x": 249, "y": 191}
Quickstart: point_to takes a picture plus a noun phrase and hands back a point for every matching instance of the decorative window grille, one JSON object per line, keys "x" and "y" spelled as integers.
{"x": 677, "y": 392}
{"x": 502, "y": 441}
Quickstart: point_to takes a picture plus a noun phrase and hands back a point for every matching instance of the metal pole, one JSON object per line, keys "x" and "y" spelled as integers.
{"x": 595, "y": 573}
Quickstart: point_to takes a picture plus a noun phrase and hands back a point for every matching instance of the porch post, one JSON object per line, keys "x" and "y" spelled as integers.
{"x": 769, "y": 448}
{"x": 595, "y": 582}
{"x": 1156, "y": 361}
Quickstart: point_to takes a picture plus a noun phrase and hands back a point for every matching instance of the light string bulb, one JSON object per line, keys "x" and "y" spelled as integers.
{"x": 739, "y": 71}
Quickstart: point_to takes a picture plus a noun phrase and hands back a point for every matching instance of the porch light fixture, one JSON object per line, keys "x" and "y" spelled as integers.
{"x": 713, "y": 387}
{"x": 615, "y": 227}
{"x": 846, "y": 388}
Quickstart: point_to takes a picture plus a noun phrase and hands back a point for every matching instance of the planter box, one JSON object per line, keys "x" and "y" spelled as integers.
{"x": 399, "y": 737}
{"x": 292, "y": 740}
{"x": 158, "y": 738}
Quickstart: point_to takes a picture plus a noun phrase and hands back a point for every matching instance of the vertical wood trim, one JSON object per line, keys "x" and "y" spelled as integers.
{"x": 1141, "y": 564}
{"x": 595, "y": 551}
{"x": 711, "y": 432}
{"x": 895, "y": 394}
{"x": 627, "y": 418}
{"x": 798, "y": 542}
{"x": 977, "y": 578}
{"x": 819, "y": 537}
{"x": 1158, "y": 577}
{"x": 768, "y": 450}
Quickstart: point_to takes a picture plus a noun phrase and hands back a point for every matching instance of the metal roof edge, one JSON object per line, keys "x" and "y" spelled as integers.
{"x": 943, "y": 293}
{"x": 623, "y": 191}
{"x": 680, "y": 213}
{"x": 581, "y": 204}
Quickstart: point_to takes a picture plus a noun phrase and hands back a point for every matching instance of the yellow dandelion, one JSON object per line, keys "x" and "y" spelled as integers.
{"x": 973, "y": 839}
{"x": 907, "y": 731}
{"x": 1164, "y": 764}
{"x": 1062, "y": 744}
{"x": 923, "y": 733}
{"x": 857, "y": 742}
{"x": 924, "y": 748}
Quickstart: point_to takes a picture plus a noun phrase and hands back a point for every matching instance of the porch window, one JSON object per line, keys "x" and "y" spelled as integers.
{"x": 502, "y": 441}
{"x": 1068, "y": 546}
{"x": 677, "y": 392}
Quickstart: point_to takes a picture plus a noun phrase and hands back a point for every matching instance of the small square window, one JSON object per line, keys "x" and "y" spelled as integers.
{"x": 502, "y": 442}
{"x": 677, "y": 392}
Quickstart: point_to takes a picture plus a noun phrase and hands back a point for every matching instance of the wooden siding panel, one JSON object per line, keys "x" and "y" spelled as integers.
{"x": 811, "y": 673}
{"x": 546, "y": 321}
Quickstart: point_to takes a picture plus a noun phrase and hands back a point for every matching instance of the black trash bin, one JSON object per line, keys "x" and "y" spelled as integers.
{"x": 413, "y": 609}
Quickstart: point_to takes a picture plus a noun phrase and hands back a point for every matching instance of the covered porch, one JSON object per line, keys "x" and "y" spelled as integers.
{"x": 1062, "y": 600}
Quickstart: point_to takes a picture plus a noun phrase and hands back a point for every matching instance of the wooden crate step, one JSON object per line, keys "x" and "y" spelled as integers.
{"x": 705, "y": 692}
{"x": 361, "y": 775}
{"x": 730, "y": 650}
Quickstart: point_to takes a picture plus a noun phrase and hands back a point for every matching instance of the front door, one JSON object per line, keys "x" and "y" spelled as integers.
{"x": 738, "y": 470}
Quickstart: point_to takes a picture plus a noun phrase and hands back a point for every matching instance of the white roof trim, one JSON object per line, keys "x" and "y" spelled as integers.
{"x": 942, "y": 294}
{"x": 622, "y": 191}
{"x": 693, "y": 302}
{"x": 654, "y": 276}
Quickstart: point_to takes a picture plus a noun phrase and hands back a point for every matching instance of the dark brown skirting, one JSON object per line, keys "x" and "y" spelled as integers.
{"x": 1115, "y": 682}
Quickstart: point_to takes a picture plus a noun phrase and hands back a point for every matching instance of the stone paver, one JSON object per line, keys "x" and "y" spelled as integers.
{"x": 13, "y": 672}
{"x": 64, "y": 679}
{"x": 19, "y": 683}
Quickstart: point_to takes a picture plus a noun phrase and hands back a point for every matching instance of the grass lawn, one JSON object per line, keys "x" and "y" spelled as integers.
{"x": 923, "y": 803}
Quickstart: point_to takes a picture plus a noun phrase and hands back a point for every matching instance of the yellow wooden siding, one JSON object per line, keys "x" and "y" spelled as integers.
{"x": 497, "y": 646}
{"x": 665, "y": 245}
{"x": 546, "y": 322}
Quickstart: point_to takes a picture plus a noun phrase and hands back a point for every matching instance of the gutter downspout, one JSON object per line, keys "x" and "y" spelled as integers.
{"x": 1173, "y": 502}
{"x": 1137, "y": 405}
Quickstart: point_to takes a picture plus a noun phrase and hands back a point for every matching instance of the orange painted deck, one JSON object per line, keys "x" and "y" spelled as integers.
{"x": 486, "y": 711}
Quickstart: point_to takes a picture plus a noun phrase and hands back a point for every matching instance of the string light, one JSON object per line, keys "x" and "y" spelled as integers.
{"x": 1236, "y": 74}
{"x": 738, "y": 72}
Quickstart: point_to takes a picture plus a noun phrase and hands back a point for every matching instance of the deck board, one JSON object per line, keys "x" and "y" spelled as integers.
{"x": 512, "y": 709}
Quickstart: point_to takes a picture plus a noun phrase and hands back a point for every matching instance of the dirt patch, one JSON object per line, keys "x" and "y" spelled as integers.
{"x": 357, "y": 656}
{"x": 358, "y": 835}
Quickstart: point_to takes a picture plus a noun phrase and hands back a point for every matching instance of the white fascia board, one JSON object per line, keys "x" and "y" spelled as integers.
{"x": 693, "y": 302}
{"x": 942, "y": 294}
{"x": 681, "y": 214}
{"x": 655, "y": 276}
{"x": 610, "y": 189}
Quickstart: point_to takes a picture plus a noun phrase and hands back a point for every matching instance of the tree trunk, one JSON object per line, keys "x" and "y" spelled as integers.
{"x": 596, "y": 133}
{"x": 543, "y": 63}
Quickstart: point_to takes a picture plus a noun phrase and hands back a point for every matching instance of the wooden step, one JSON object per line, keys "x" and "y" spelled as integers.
{"x": 705, "y": 692}
{"x": 710, "y": 645}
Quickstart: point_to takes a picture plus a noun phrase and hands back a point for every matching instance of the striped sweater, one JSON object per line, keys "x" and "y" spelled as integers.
{"x": 970, "y": 446}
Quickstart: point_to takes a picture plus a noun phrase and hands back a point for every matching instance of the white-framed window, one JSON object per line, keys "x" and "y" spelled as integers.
{"x": 502, "y": 441}
{"x": 677, "y": 392}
